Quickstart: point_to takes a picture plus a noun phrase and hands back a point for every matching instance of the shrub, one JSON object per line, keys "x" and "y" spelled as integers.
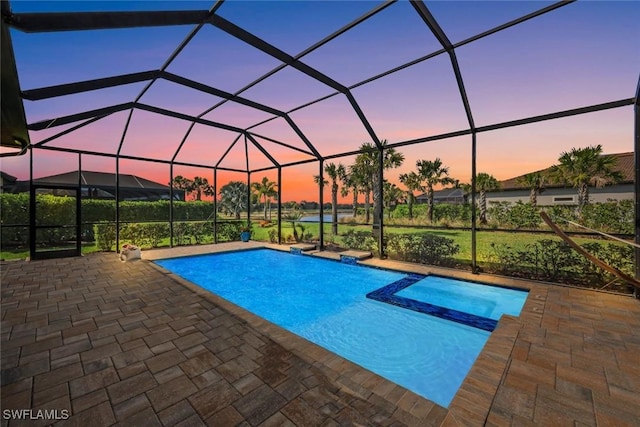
{"x": 229, "y": 231}
{"x": 198, "y": 230}
{"x": 105, "y": 236}
{"x": 554, "y": 258}
{"x": 154, "y": 233}
{"x": 545, "y": 259}
{"x": 611, "y": 216}
{"x": 14, "y": 236}
{"x": 523, "y": 215}
{"x": 513, "y": 215}
{"x": 145, "y": 235}
{"x": 360, "y": 240}
{"x": 422, "y": 248}
{"x": 556, "y": 261}
{"x": 94, "y": 210}
{"x": 180, "y": 233}
{"x": 131, "y": 234}
{"x": 449, "y": 212}
{"x": 402, "y": 211}
{"x": 498, "y": 212}
{"x": 617, "y": 256}
{"x": 14, "y": 208}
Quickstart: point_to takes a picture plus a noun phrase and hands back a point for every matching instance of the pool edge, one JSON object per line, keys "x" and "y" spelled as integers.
{"x": 351, "y": 377}
{"x": 472, "y": 401}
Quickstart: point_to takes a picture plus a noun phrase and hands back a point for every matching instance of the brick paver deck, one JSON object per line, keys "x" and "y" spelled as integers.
{"x": 129, "y": 344}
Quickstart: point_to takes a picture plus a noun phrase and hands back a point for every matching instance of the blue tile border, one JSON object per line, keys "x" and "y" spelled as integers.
{"x": 387, "y": 295}
{"x": 295, "y": 251}
{"x": 351, "y": 260}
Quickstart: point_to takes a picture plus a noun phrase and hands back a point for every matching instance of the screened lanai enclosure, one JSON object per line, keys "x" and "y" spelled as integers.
{"x": 285, "y": 92}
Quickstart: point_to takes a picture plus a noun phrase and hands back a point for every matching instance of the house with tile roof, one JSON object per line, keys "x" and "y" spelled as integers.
{"x": 512, "y": 190}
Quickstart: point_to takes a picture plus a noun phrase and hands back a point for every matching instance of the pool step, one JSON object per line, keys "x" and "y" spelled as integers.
{"x": 352, "y": 257}
{"x": 298, "y": 248}
{"x": 387, "y": 294}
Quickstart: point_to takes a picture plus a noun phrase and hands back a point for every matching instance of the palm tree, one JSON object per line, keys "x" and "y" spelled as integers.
{"x": 351, "y": 184}
{"x": 233, "y": 198}
{"x": 432, "y": 173}
{"x": 293, "y": 215}
{"x": 316, "y": 179}
{"x": 273, "y": 193}
{"x": 360, "y": 174}
{"x": 181, "y": 183}
{"x": 391, "y": 195}
{"x": 266, "y": 190}
{"x": 413, "y": 182}
{"x": 484, "y": 183}
{"x": 368, "y": 162}
{"x": 466, "y": 189}
{"x": 200, "y": 186}
{"x": 535, "y": 182}
{"x": 582, "y": 167}
{"x": 335, "y": 173}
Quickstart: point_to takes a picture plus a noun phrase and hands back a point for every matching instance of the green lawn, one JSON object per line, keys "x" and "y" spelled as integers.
{"x": 484, "y": 238}
{"x": 461, "y": 237}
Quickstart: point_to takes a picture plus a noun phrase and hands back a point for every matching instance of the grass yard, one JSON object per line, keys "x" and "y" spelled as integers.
{"x": 484, "y": 238}
{"x": 461, "y": 237}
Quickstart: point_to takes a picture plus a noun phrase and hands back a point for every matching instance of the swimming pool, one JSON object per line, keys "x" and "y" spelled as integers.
{"x": 326, "y": 302}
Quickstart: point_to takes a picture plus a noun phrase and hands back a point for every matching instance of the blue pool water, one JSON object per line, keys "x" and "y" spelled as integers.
{"x": 486, "y": 301}
{"x": 325, "y": 302}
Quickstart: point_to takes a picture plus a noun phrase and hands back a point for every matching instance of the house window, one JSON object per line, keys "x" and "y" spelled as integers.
{"x": 563, "y": 199}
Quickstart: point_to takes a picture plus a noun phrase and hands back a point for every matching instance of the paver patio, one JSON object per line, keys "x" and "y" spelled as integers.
{"x": 130, "y": 344}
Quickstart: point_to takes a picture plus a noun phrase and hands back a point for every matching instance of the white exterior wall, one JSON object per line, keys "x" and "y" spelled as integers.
{"x": 549, "y": 196}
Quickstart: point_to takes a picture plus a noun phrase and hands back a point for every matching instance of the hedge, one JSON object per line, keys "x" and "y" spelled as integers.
{"x": 153, "y": 235}
{"x": 419, "y": 248}
{"x": 60, "y": 209}
{"x": 553, "y": 260}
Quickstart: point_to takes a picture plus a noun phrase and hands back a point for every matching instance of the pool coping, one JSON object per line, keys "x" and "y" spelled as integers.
{"x": 574, "y": 360}
{"x": 471, "y": 403}
{"x": 352, "y": 378}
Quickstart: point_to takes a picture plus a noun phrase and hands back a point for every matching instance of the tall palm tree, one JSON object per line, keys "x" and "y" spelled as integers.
{"x": 535, "y": 183}
{"x": 391, "y": 195}
{"x": 335, "y": 173}
{"x": 581, "y": 167}
{"x": 484, "y": 183}
{"x": 413, "y": 182}
{"x": 272, "y": 194}
{"x": 316, "y": 179}
{"x": 233, "y": 198}
{"x": 368, "y": 162}
{"x": 360, "y": 172}
{"x": 432, "y": 173}
{"x": 351, "y": 185}
{"x": 265, "y": 190}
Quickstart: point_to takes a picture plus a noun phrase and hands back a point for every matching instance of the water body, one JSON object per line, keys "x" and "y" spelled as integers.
{"x": 327, "y": 218}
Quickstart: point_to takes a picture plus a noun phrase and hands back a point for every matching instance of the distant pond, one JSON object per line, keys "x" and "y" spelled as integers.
{"x": 327, "y": 218}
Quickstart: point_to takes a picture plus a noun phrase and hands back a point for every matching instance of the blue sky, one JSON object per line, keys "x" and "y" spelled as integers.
{"x": 581, "y": 54}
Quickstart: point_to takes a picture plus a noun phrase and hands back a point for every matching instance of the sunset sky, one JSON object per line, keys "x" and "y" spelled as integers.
{"x": 581, "y": 54}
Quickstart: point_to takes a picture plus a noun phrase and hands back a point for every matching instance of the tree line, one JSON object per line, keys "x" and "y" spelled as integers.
{"x": 578, "y": 167}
